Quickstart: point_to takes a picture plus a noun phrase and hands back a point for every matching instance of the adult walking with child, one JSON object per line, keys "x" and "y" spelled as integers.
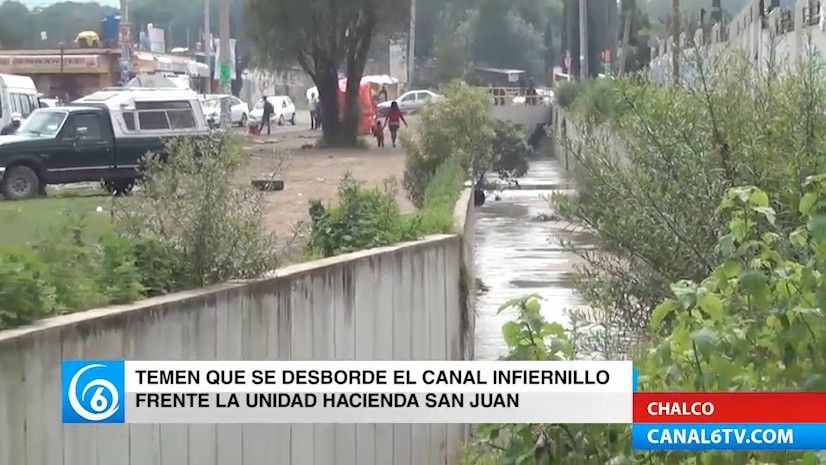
{"x": 393, "y": 121}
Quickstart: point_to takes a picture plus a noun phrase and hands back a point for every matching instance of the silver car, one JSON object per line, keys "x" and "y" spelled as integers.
{"x": 409, "y": 102}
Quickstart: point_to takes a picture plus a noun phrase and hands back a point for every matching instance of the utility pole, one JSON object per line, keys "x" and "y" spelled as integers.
{"x": 125, "y": 39}
{"x": 628, "y": 10}
{"x": 411, "y": 45}
{"x": 225, "y": 60}
{"x": 583, "y": 39}
{"x": 675, "y": 38}
{"x": 207, "y": 46}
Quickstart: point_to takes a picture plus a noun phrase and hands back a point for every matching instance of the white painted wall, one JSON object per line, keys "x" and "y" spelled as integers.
{"x": 394, "y": 303}
{"x": 746, "y": 33}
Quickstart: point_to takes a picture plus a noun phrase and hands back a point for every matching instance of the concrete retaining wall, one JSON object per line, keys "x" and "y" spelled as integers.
{"x": 570, "y": 137}
{"x": 403, "y": 302}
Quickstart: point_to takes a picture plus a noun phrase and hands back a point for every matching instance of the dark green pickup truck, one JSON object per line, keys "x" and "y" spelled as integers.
{"x": 101, "y": 137}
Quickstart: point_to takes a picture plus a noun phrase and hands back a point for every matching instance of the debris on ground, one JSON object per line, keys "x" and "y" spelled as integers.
{"x": 270, "y": 182}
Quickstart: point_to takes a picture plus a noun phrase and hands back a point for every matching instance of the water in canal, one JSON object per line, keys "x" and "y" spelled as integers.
{"x": 517, "y": 255}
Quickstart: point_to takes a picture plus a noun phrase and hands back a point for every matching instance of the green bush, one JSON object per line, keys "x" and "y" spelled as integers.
{"x": 702, "y": 294}
{"x": 61, "y": 273}
{"x": 653, "y": 217}
{"x": 210, "y": 228}
{"x": 363, "y": 219}
{"x": 567, "y": 93}
{"x": 189, "y": 226}
{"x": 754, "y": 323}
{"x": 458, "y": 126}
{"x": 27, "y": 292}
{"x": 598, "y": 101}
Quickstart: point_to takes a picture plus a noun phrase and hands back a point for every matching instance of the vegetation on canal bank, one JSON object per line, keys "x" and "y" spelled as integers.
{"x": 709, "y": 260}
{"x": 457, "y": 140}
{"x": 187, "y": 227}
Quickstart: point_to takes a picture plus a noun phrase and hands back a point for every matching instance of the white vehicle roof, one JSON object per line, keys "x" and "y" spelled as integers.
{"x": 115, "y": 99}
{"x": 17, "y": 82}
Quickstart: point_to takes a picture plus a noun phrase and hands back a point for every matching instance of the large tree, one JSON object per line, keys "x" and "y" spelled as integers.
{"x": 324, "y": 36}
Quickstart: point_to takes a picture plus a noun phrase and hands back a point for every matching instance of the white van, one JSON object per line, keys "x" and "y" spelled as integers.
{"x": 17, "y": 95}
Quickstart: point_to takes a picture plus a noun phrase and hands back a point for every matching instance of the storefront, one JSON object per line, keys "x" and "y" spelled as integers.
{"x": 67, "y": 74}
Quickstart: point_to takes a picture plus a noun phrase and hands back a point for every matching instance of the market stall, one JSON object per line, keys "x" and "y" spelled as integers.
{"x": 367, "y": 102}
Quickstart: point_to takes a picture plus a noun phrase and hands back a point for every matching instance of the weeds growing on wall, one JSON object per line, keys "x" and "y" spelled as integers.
{"x": 188, "y": 226}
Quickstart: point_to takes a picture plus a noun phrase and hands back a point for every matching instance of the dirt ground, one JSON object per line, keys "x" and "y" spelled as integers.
{"x": 311, "y": 173}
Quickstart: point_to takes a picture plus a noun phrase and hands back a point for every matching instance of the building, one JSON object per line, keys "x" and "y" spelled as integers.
{"x": 65, "y": 73}
{"x": 73, "y": 73}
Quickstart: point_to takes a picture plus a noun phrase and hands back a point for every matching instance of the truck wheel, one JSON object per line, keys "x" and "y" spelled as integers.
{"x": 118, "y": 188}
{"x": 124, "y": 187}
{"x": 20, "y": 182}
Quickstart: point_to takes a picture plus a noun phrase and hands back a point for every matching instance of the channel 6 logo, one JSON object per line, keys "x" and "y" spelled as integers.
{"x": 92, "y": 391}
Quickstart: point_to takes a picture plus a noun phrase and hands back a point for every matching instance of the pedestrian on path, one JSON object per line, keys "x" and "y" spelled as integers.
{"x": 266, "y": 116}
{"x": 393, "y": 121}
{"x": 313, "y": 111}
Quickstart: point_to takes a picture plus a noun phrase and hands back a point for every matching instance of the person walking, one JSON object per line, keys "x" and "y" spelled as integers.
{"x": 394, "y": 119}
{"x": 319, "y": 114}
{"x": 313, "y": 111}
{"x": 11, "y": 128}
{"x": 266, "y": 116}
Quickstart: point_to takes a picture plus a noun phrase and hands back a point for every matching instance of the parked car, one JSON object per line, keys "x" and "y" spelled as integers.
{"x": 239, "y": 111}
{"x": 17, "y": 95}
{"x": 283, "y": 106}
{"x": 47, "y": 102}
{"x": 100, "y": 137}
{"x": 410, "y": 101}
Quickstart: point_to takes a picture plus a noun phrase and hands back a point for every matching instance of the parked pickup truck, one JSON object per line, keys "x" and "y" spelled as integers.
{"x": 100, "y": 137}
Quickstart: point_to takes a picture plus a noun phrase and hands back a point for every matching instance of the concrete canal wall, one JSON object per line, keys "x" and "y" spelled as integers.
{"x": 404, "y": 302}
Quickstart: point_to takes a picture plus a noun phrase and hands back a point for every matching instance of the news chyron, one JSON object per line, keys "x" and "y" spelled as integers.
{"x": 461, "y": 392}
{"x": 346, "y": 392}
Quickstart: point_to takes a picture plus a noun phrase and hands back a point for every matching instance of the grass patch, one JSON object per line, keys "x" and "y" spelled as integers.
{"x": 25, "y": 220}
{"x": 440, "y": 199}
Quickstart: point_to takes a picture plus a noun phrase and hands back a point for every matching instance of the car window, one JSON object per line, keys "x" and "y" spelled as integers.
{"x": 86, "y": 127}
{"x": 423, "y": 96}
{"x": 289, "y": 102}
{"x": 181, "y": 119}
{"x": 236, "y": 101}
{"x": 129, "y": 120}
{"x": 43, "y": 122}
{"x": 153, "y": 119}
{"x": 154, "y": 115}
{"x": 408, "y": 97}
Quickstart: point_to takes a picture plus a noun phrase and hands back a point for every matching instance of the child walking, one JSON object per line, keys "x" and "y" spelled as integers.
{"x": 378, "y": 133}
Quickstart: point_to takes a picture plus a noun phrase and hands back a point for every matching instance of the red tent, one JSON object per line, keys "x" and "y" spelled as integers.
{"x": 366, "y": 104}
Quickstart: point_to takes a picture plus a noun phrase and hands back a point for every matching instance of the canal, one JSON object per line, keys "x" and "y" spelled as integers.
{"x": 519, "y": 251}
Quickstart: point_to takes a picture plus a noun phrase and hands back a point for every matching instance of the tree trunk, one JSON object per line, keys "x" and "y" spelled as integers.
{"x": 356, "y": 60}
{"x": 327, "y": 84}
